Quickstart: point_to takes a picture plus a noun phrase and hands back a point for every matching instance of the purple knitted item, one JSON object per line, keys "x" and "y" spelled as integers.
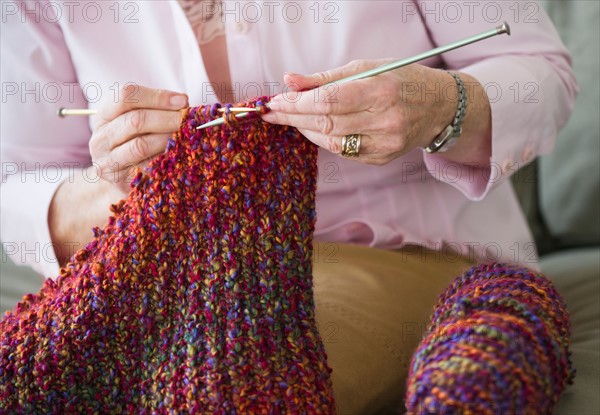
{"x": 497, "y": 345}
{"x": 195, "y": 298}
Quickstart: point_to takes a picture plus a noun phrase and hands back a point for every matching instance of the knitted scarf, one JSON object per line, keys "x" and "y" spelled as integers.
{"x": 195, "y": 298}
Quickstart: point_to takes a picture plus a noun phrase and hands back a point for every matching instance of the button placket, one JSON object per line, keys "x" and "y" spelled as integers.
{"x": 241, "y": 27}
{"x": 244, "y": 58}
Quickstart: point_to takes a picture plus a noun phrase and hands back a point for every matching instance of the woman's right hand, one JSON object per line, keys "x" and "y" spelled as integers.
{"x": 126, "y": 134}
{"x": 133, "y": 130}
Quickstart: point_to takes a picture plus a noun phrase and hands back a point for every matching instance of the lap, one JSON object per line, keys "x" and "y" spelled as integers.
{"x": 372, "y": 308}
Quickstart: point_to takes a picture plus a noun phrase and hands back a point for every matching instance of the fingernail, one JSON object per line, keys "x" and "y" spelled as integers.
{"x": 291, "y": 74}
{"x": 269, "y": 117}
{"x": 274, "y": 105}
{"x": 178, "y": 101}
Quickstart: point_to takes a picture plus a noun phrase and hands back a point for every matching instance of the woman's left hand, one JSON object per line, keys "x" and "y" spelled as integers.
{"x": 394, "y": 112}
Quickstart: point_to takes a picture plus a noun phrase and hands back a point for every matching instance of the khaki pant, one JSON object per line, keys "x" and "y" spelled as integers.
{"x": 373, "y": 307}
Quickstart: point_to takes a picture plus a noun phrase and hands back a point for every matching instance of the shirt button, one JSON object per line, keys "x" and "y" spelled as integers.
{"x": 528, "y": 154}
{"x": 507, "y": 166}
{"x": 241, "y": 27}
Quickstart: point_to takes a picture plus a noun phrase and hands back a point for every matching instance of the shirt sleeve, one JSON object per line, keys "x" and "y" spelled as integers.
{"x": 527, "y": 76}
{"x": 39, "y": 150}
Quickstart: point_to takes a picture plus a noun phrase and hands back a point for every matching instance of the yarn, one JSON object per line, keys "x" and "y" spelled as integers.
{"x": 195, "y": 298}
{"x": 497, "y": 345}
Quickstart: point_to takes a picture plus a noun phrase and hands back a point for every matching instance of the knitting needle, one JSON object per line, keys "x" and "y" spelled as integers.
{"x": 63, "y": 112}
{"x": 242, "y": 112}
{"x": 504, "y": 28}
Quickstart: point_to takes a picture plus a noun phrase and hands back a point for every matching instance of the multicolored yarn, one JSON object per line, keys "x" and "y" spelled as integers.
{"x": 195, "y": 298}
{"x": 497, "y": 345}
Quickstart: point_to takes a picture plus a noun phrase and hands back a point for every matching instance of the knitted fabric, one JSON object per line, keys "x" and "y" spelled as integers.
{"x": 497, "y": 345}
{"x": 195, "y": 298}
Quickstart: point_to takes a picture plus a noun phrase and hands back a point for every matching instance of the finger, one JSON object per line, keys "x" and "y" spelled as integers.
{"x": 140, "y": 122}
{"x": 333, "y": 144}
{"x": 328, "y": 99}
{"x": 298, "y": 82}
{"x": 373, "y": 160}
{"x": 132, "y": 96}
{"x": 133, "y": 152}
{"x": 143, "y": 164}
{"x": 128, "y": 175}
{"x": 359, "y": 122}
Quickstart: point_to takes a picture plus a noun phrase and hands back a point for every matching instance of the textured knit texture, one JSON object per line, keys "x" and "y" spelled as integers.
{"x": 497, "y": 345}
{"x": 195, "y": 298}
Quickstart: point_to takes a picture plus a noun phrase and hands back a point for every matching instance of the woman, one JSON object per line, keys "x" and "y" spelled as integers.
{"x": 424, "y": 216}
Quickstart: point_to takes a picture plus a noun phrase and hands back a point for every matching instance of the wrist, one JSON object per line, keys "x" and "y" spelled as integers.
{"x": 474, "y": 147}
{"x": 76, "y": 208}
{"x": 440, "y": 98}
{"x": 452, "y": 130}
{"x": 58, "y": 223}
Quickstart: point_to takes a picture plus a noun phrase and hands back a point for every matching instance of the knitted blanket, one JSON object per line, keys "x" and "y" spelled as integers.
{"x": 195, "y": 298}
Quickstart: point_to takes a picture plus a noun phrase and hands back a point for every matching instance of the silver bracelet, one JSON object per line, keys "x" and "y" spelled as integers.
{"x": 449, "y": 136}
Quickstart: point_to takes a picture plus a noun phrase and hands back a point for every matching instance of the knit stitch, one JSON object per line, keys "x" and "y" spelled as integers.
{"x": 497, "y": 345}
{"x": 195, "y": 298}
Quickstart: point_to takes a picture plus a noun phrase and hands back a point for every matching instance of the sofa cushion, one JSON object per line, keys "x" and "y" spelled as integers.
{"x": 576, "y": 275}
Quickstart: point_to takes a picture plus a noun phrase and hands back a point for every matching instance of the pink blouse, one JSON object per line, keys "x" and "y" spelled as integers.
{"x": 77, "y": 54}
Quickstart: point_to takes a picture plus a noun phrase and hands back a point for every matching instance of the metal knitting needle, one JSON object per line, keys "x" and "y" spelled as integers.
{"x": 504, "y": 28}
{"x": 242, "y": 112}
{"x": 63, "y": 112}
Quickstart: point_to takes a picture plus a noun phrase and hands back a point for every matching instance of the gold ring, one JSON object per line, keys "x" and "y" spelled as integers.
{"x": 351, "y": 145}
